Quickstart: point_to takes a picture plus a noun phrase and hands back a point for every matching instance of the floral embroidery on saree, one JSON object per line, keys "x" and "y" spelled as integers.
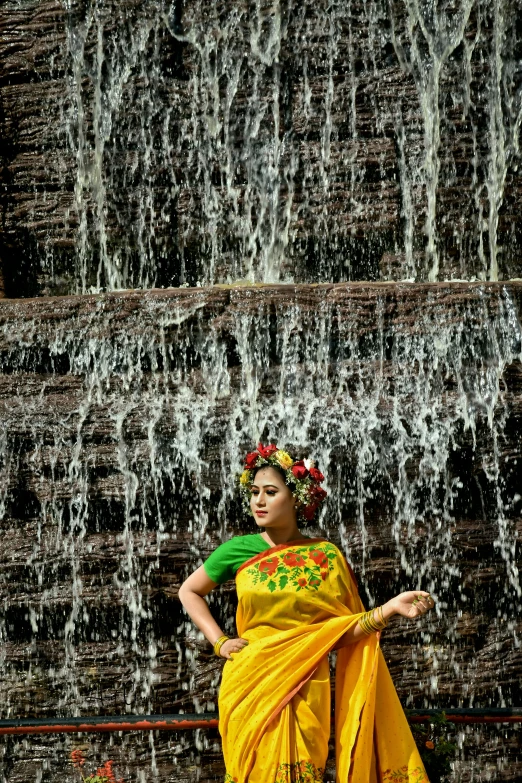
{"x": 301, "y": 568}
{"x": 299, "y": 772}
{"x": 402, "y": 775}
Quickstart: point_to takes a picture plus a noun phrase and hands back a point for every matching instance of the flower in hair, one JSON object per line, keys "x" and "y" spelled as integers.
{"x": 299, "y": 470}
{"x": 302, "y": 477}
{"x": 251, "y": 459}
{"x": 283, "y": 459}
{"x": 267, "y": 451}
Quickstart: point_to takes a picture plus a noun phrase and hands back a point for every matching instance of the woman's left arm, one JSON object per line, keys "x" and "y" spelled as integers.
{"x": 412, "y": 604}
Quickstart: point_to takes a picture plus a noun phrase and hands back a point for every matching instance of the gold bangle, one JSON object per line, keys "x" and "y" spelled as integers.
{"x": 374, "y": 624}
{"x": 218, "y": 644}
{"x": 383, "y": 621}
{"x": 378, "y": 621}
{"x": 367, "y": 624}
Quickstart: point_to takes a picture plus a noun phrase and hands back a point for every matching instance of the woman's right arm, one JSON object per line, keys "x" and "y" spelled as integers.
{"x": 192, "y": 595}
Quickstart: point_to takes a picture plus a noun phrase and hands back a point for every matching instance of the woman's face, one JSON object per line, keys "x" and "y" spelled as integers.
{"x": 272, "y": 503}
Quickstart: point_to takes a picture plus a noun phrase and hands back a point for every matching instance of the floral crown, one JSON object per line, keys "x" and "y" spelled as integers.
{"x": 301, "y": 473}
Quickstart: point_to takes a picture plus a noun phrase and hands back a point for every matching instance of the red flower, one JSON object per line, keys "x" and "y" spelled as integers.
{"x": 317, "y": 493}
{"x": 77, "y": 757}
{"x": 292, "y": 559}
{"x": 429, "y": 744}
{"x": 309, "y": 511}
{"x": 106, "y": 772}
{"x": 299, "y": 471}
{"x": 269, "y": 565}
{"x": 318, "y": 557}
{"x": 324, "y": 574}
{"x": 266, "y": 451}
{"x": 251, "y": 459}
{"x": 316, "y": 474}
{"x": 301, "y": 582}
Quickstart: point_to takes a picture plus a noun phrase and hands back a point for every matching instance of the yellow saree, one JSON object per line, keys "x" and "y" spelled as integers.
{"x": 295, "y": 601}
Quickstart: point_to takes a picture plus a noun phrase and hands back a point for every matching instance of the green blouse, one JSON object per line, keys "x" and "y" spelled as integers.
{"x": 224, "y": 561}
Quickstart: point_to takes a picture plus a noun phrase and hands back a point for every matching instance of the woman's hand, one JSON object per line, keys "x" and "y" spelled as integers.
{"x": 411, "y": 604}
{"x": 232, "y": 646}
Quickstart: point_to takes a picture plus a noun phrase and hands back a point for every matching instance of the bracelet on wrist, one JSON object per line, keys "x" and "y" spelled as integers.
{"x": 218, "y": 644}
{"x": 368, "y": 622}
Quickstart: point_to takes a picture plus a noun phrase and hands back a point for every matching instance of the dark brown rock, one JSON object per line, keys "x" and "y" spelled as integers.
{"x": 87, "y": 537}
{"x": 339, "y": 97}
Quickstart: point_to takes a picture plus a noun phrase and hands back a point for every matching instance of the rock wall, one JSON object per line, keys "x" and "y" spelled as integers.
{"x": 123, "y": 420}
{"x": 156, "y": 144}
{"x": 160, "y": 143}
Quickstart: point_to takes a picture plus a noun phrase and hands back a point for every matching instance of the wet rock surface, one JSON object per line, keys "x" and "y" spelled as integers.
{"x": 150, "y": 145}
{"x": 188, "y": 143}
{"x": 101, "y": 523}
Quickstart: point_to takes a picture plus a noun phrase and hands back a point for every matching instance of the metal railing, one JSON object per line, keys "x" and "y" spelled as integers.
{"x": 209, "y": 720}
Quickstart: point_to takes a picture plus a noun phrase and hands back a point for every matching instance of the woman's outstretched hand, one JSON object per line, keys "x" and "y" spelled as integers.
{"x": 412, "y": 604}
{"x": 232, "y": 646}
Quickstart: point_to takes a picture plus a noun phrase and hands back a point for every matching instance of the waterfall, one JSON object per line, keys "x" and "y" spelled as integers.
{"x": 276, "y": 142}
{"x": 210, "y": 208}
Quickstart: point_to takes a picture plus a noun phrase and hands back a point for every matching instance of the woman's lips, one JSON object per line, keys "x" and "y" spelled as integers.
{"x": 261, "y": 513}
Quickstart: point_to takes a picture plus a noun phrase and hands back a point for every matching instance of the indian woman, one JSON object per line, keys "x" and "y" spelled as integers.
{"x": 297, "y": 602}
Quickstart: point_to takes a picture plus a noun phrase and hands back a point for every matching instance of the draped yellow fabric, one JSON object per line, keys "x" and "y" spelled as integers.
{"x": 295, "y": 602}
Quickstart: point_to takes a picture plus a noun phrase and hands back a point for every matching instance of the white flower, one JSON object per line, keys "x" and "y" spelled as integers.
{"x": 309, "y": 463}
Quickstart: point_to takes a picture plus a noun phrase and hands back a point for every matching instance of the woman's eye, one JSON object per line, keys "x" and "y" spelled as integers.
{"x": 270, "y": 492}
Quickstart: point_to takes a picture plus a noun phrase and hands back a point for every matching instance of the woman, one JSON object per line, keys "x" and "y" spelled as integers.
{"x": 297, "y": 601}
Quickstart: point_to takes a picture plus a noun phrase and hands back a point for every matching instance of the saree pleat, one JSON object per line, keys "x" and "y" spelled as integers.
{"x": 294, "y": 604}
{"x": 299, "y": 732}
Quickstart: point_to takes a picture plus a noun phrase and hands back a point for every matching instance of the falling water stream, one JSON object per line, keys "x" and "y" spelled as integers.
{"x": 276, "y": 141}
{"x": 236, "y": 171}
